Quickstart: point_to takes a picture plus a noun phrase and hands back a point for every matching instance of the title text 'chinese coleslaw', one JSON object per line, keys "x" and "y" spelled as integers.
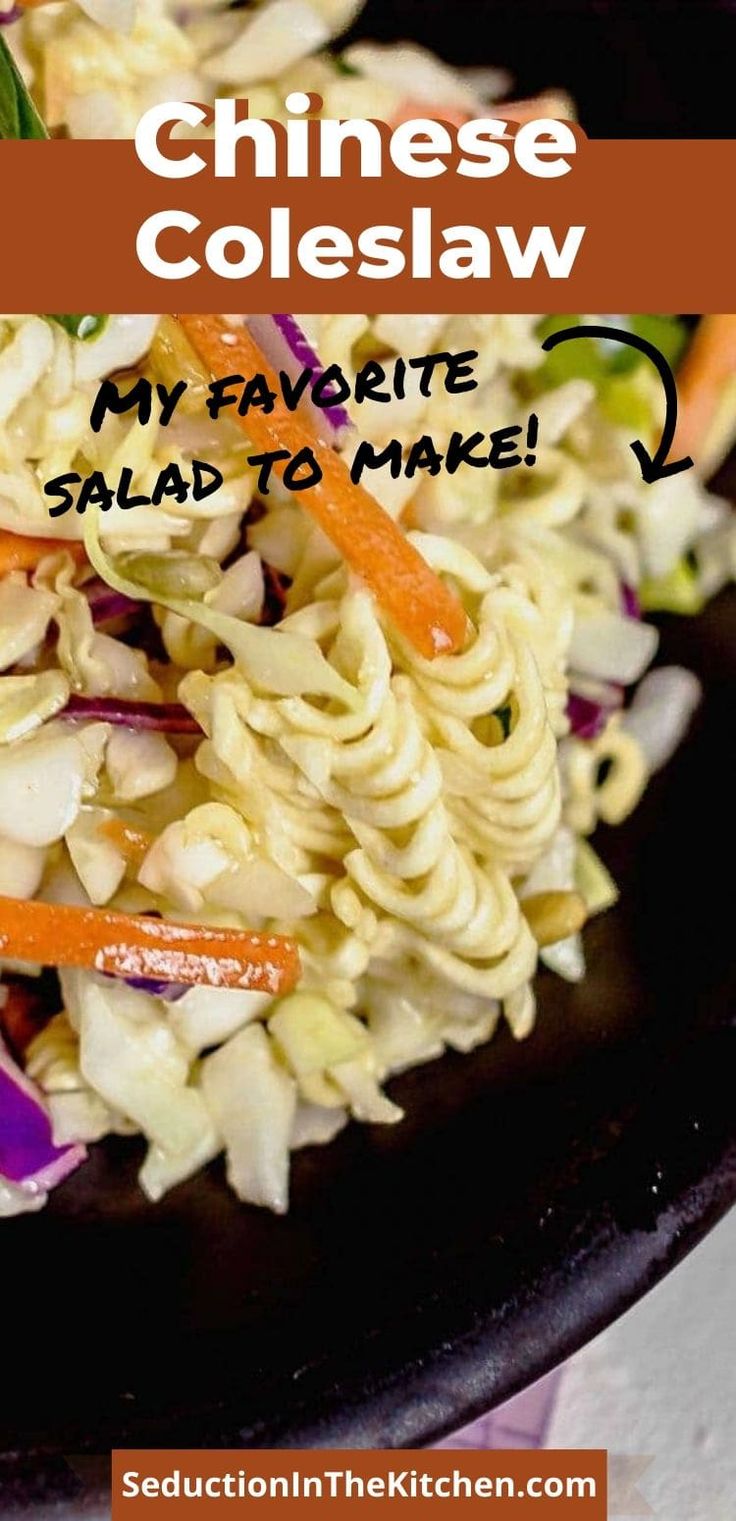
{"x": 216, "y": 723}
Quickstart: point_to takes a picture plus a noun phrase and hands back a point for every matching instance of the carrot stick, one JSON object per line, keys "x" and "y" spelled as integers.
{"x": 413, "y": 110}
{"x": 425, "y": 610}
{"x": 132, "y": 945}
{"x": 19, "y": 551}
{"x": 709, "y": 363}
{"x": 554, "y": 104}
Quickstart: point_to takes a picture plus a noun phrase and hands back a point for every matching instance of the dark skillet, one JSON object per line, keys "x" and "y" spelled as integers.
{"x": 426, "y": 1272}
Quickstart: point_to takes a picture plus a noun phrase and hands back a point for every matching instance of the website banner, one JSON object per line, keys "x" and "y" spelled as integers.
{"x": 276, "y": 1485}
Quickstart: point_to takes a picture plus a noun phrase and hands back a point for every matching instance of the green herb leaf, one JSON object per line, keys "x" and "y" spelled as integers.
{"x": 343, "y": 67}
{"x": 18, "y": 115}
{"x": 79, "y": 326}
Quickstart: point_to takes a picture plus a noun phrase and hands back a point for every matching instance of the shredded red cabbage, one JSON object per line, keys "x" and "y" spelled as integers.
{"x": 166, "y": 717}
{"x": 28, "y": 1155}
{"x": 629, "y": 601}
{"x": 158, "y": 988}
{"x": 287, "y": 348}
{"x": 587, "y": 718}
{"x": 106, "y": 604}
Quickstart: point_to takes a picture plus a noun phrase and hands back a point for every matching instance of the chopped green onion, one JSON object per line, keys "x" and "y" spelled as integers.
{"x": 581, "y": 360}
{"x": 80, "y": 326}
{"x": 677, "y": 592}
{"x": 342, "y": 66}
{"x": 668, "y": 334}
{"x": 624, "y": 401}
{"x": 18, "y": 115}
{"x": 599, "y": 360}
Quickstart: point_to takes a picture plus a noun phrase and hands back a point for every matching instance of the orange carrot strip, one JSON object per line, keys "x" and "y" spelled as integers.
{"x": 132, "y": 842}
{"x": 554, "y": 104}
{"x": 709, "y": 362}
{"x": 413, "y": 110}
{"x": 131, "y": 945}
{"x": 425, "y": 610}
{"x": 19, "y": 551}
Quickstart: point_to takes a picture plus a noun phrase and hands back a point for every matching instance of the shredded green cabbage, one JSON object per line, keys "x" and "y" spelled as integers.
{"x": 272, "y": 659}
{"x": 593, "y": 880}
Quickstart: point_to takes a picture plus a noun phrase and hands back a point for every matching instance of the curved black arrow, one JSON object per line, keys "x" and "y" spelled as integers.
{"x": 652, "y": 466}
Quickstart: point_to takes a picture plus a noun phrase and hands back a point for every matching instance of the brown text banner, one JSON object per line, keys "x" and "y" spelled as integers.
{"x": 276, "y": 1485}
{"x": 651, "y": 220}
